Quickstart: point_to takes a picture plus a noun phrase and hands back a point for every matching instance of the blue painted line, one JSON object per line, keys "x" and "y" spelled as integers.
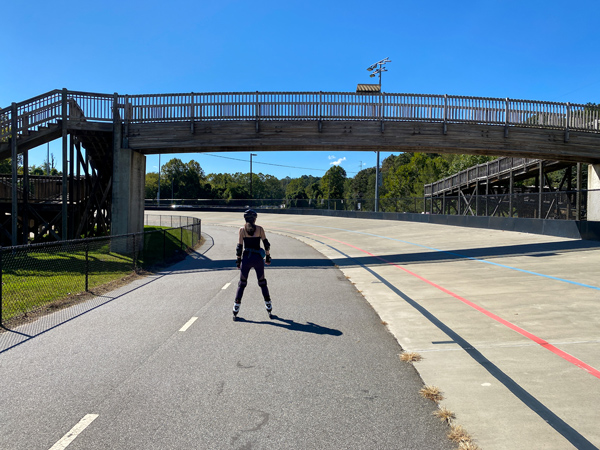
{"x": 529, "y": 272}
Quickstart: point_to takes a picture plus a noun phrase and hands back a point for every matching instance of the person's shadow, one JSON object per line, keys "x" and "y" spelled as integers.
{"x": 289, "y": 324}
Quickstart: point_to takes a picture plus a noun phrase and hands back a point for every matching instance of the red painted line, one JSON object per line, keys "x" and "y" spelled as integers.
{"x": 570, "y": 358}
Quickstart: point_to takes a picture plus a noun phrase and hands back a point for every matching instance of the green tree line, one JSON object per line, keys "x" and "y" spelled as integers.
{"x": 402, "y": 175}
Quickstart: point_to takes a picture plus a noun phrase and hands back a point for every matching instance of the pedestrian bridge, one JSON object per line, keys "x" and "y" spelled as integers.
{"x": 275, "y": 121}
{"x": 116, "y": 131}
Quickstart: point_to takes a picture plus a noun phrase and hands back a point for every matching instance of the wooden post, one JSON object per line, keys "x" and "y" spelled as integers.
{"x": 578, "y": 199}
{"x": 13, "y": 148}
{"x": 71, "y": 188}
{"x": 511, "y": 188}
{"x": 540, "y": 187}
{"x": 65, "y": 166}
{"x": 257, "y": 113}
{"x": 192, "y": 112}
{"x": 568, "y": 122}
{"x": 25, "y": 190}
{"x": 320, "y": 106}
{"x": 506, "y": 115}
{"x": 445, "y": 113}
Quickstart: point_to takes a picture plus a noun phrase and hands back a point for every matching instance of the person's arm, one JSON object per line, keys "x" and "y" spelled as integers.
{"x": 267, "y": 247}
{"x": 239, "y": 248}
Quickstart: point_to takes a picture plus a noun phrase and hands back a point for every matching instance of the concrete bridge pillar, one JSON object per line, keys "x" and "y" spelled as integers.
{"x": 593, "y": 200}
{"x": 128, "y": 189}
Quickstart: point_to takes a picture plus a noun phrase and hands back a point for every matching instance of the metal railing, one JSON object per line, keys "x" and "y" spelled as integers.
{"x": 34, "y": 276}
{"x": 480, "y": 172}
{"x": 48, "y": 109}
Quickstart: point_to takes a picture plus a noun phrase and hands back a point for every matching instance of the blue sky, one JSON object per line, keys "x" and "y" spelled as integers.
{"x": 535, "y": 50}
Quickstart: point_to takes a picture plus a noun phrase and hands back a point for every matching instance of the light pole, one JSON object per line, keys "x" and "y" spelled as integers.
{"x": 251, "y": 193}
{"x": 378, "y": 68}
{"x": 158, "y": 195}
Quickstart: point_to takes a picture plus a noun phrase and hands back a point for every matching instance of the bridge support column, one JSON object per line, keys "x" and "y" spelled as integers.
{"x": 593, "y": 199}
{"x": 129, "y": 176}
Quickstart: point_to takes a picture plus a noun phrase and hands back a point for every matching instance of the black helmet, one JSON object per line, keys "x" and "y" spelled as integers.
{"x": 250, "y": 215}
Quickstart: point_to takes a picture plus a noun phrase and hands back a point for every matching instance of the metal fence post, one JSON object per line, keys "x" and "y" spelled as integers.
{"x": 87, "y": 265}
{"x": 1, "y": 270}
{"x": 164, "y": 245}
{"x": 181, "y": 239}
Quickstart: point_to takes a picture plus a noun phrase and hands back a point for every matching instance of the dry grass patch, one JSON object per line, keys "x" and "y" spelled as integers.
{"x": 444, "y": 414}
{"x": 464, "y": 440}
{"x": 468, "y": 445}
{"x": 410, "y": 357}
{"x": 432, "y": 393}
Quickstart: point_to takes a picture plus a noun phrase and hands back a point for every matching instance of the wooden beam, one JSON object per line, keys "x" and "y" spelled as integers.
{"x": 14, "y": 153}
{"x": 65, "y": 166}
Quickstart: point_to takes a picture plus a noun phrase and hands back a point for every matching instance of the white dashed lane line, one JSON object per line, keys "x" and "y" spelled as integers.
{"x": 74, "y": 432}
{"x": 188, "y": 324}
{"x": 226, "y": 286}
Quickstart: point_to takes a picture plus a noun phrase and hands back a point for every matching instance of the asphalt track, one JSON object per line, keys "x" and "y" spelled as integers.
{"x": 508, "y": 323}
{"x": 159, "y": 364}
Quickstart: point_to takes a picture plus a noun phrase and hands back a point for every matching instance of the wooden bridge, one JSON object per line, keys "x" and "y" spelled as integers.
{"x": 105, "y": 136}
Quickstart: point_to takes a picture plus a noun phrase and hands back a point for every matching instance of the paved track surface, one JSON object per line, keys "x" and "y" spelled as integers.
{"x": 143, "y": 374}
{"x": 508, "y": 323}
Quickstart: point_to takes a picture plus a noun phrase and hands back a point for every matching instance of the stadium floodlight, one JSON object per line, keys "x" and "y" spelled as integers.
{"x": 378, "y": 68}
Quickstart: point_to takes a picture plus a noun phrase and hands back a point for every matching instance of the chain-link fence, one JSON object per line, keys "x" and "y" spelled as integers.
{"x": 32, "y": 276}
{"x": 563, "y": 205}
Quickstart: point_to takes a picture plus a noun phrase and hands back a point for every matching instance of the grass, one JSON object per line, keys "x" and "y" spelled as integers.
{"x": 444, "y": 414}
{"x": 410, "y": 357}
{"x": 432, "y": 393}
{"x": 37, "y": 277}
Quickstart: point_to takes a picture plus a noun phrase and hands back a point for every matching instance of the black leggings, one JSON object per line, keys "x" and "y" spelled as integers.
{"x": 252, "y": 261}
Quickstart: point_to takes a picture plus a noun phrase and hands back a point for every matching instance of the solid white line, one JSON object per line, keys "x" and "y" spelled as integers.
{"x": 226, "y": 286}
{"x": 188, "y": 324}
{"x": 75, "y": 431}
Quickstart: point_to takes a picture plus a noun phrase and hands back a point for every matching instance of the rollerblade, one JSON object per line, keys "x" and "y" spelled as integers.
{"x": 269, "y": 307}
{"x": 236, "y": 310}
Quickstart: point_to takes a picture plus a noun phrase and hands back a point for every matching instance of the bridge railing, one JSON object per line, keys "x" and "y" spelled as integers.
{"x": 48, "y": 108}
{"x": 479, "y": 172}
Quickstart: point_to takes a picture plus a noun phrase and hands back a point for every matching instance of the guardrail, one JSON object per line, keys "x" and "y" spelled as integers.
{"x": 48, "y": 108}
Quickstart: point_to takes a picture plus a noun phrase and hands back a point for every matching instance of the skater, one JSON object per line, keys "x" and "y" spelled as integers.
{"x": 250, "y": 255}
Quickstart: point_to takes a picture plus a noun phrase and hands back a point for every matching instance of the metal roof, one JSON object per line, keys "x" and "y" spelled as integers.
{"x": 368, "y": 88}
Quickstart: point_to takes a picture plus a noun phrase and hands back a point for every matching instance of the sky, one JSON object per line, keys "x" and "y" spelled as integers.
{"x": 521, "y": 49}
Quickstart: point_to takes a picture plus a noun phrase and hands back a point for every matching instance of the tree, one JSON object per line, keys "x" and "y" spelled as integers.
{"x": 151, "y": 186}
{"x": 184, "y": 180}
{"x": 458, "y": 163}
{"x": 363, "y": 184}
{"x": 408, "y": 180}
{"x": 332, "y": 183}
{"x": 314, "y": 191}
{"x": 37, "y": 170}
{"x": 4, "y": 128}
{"x": 295, "y": 189}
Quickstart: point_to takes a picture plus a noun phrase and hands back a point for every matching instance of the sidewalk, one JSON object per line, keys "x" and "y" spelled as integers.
{"x": 508, "y": 324}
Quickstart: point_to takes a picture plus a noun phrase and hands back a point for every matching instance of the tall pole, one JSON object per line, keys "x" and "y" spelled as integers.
{"x": 377, "y": 185}
{"x": 158, "y": 195}
{"x": 378, "y": 68}
{"x": 251, "y": 193}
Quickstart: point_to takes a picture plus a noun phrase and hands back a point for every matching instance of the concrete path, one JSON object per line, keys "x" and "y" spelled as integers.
{"x": 159, "y": 364}
{"x": 508, "y": 323}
